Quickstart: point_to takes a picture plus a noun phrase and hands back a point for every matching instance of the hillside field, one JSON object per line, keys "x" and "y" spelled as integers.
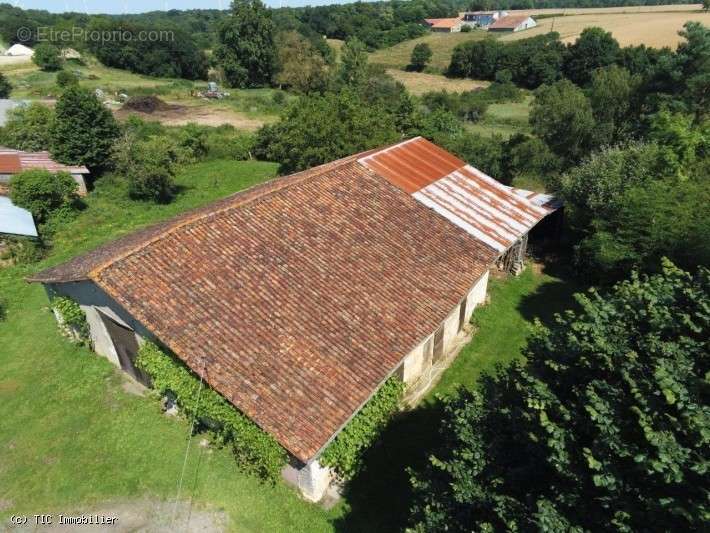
{"x": 653, "y": 26}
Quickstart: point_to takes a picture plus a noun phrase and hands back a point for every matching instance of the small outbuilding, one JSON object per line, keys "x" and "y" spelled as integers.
{"x": 16, "y": 161}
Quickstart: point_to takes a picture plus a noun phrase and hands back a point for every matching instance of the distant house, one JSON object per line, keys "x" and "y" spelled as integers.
{"x": 482, "y": 19}
{"x": 15, "y": 161}
{"x": 513, "y": 23}
{"x": 298, "y": 298}
{"x": 448, "y": 25}
{"x": 18, "y": 50}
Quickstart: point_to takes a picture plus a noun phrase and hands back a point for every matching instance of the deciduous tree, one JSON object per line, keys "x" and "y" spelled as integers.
{"x": 605, "y": 427}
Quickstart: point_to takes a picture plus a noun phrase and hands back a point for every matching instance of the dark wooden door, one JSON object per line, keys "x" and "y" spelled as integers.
{"x": 462, "y": 314}
{"x": 438, "y": 344}
{"x": 124, "y": 340}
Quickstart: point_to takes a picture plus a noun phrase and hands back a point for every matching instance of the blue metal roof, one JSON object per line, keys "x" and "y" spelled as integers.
{"x": 15, "y": 220}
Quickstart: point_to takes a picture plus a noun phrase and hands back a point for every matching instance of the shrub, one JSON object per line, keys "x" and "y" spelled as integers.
{"x": 66, "y": 78}
{"x": 227, "y": 143}
{"x": 344, "y": 453}
{"x": 193, "y": 139}
{"x": 72, "y": 318}
{"x": 255, "y": 450}
{"x": 42, "y": 192}
{"x": 83, "y": 131}
{"x": 28, "y": 128}
{"x": 5, "y": 86}
{"x": 47, "y": 57}
{"x": 23, "y": 251}
{"x": 421, "y": 55}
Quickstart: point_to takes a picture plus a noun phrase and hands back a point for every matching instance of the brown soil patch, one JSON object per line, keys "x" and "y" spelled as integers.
{"x": 146, "y": 104}
{"x": 172, "y": 114}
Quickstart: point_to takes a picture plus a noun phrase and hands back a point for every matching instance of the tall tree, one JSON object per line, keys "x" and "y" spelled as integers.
{"x": 353, "y": 67}
{"x": 301, "y": 66}
{"x": 594, "y": 48}
{"x": 612, "y": 95}
{"x": 605, "y": 427}
{"x": 246, "y": 51}
{"x": 28, "y": 128}
{"x": 421, "y": 55}
{"x": 83, "y": 130}
{"x": 562, "y": 117}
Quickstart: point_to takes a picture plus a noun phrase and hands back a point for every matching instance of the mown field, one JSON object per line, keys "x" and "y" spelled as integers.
{"x": 656, "y": 28}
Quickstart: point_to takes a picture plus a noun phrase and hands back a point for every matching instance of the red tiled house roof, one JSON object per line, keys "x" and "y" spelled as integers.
{"x": 509, "y": 22}
{"x": 298, "y": 297}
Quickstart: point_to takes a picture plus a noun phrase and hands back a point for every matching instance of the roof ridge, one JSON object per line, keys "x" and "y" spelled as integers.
{"x": 285, "y": 183}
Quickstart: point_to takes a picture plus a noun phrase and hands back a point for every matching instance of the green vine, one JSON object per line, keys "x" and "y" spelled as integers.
{"x": 344, "y": 453}
{"x": 256, "y": 451}
{"x": 72, "y": 317}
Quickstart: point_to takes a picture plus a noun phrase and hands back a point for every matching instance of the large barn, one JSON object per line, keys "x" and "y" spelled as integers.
{"x": 298, "y": 298}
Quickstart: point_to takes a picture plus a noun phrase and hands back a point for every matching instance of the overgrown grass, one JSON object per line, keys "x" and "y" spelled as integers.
{"x": 505, "y": 119}
{"x": 71, "y": 438}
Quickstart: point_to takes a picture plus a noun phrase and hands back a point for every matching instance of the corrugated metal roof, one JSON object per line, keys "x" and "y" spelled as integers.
{"x": 490, "y": 211}
{"x": 15, "y": 220}
{"x": 10, "y": 163}
{"x": 31, "y": 160}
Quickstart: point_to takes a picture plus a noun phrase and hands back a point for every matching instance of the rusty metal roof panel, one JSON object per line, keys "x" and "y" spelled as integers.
{"x": 490, "y": 211}
{"x": 33, "y": 160}
{"x": 9, "y": 163}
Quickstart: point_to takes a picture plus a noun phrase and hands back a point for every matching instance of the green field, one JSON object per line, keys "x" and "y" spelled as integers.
{"x": 504, "y": 119}
{"x": 442, "y": 44}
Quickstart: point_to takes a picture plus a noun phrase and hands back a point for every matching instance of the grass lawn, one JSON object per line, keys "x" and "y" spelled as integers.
{"x": 442, "y": 44}
{"x": 71, "y": 438}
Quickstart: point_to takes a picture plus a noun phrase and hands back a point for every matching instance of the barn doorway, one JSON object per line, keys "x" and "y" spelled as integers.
{"x": 462, "y": 314}
{"x": 126, "y": 345}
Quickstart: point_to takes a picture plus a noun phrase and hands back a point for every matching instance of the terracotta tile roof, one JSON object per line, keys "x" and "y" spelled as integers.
{"x": 470, "y": 199}
{"x": 298, "y": 297}
{"x": 31, "y": 160}
{"x": 509, "y": 22}
{"x": 443, "y": 23}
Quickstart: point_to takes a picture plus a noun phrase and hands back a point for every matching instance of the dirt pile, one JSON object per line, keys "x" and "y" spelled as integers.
{"x": 146, "y": 104}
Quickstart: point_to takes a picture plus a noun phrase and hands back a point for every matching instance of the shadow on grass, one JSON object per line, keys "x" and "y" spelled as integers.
{"x": 553, "y": 296}
{"x": 380, "y": 496}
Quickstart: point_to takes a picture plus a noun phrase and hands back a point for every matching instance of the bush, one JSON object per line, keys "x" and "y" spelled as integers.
{"x": 23, "y": 251}
{"x": 66, "y": 78}
{"x": 83, "y": 131}
{"x": 28, "y": 128}
{"x": 47, "y": 57}
{"x": 227, "y": 143}
{"x": 255, "y": 450}
{"x": 73, "y": 319}
{"x": 149, "y": 166}
{"x": 42, "y": 192}
{"x": 5, "y": 86}
{"x": 344, "y": 453}
{"x": 193, "y": 139}
{"x": 421, "y": 55}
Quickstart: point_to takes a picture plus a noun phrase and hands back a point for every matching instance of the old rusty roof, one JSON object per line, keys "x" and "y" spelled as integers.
{"x": 298, "y": 297}
{"x": 482, "y": 206}
{"x": 14, "y": 161}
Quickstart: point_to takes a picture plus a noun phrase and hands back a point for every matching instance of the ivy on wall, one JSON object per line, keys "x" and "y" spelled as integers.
{"x": 256, "y": 451}
{"x": 72, "y": 318}
{"x": 344, "y": 453}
